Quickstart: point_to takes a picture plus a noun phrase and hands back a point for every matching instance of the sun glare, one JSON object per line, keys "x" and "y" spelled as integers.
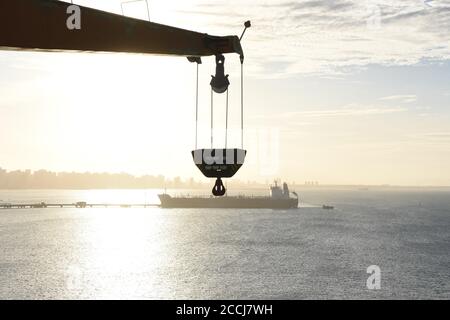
{"x": 119, "y": 250}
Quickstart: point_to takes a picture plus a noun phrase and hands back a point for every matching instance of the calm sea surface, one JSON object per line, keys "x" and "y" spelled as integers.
{"x": 226, "y": 254}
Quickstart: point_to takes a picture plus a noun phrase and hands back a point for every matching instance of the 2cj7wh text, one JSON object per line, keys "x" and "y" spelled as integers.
{"x": 240, "y": 310}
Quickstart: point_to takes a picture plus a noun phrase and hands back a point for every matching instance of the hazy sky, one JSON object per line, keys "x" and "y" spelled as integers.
{"x": 336, "y": 91}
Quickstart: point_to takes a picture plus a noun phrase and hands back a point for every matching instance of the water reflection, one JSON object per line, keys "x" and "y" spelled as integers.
{"x": 122, "y": 253}
{"x": 200, "y": 253}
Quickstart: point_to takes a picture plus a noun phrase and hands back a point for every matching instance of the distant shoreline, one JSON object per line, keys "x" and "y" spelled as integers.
{"x": 49, "y": 180}
{"x": 249, "y": 187}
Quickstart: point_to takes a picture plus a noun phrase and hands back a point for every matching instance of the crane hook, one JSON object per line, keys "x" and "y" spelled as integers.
{"x": 219, "y": 189}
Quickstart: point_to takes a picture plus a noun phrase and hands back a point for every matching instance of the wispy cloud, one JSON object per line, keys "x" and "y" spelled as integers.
{"x": 406, "y": 98}
{"x": 326, "y": 37}
{"x": 348, "y": 111}
{"x": 438, "y": 135}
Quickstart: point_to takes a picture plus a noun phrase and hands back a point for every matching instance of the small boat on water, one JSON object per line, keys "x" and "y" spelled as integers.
{"x": 326, "y": 207}
{"x": 280, "y": 198}
{"x": 40, "y": 205}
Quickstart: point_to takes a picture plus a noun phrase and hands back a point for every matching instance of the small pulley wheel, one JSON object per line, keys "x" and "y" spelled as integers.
{"x": 219, "y": 82}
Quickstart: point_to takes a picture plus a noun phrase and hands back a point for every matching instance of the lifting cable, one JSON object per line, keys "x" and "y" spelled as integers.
{"x": 212, "y": 112}
{"x": 212, "y": 117}
{"x": 196, "y": 112}
{"x": 226, "y": 124}
{"x": 242, "y": 104}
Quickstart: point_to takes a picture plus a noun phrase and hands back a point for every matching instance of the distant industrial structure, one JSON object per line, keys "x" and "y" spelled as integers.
{"x": 311, "y": 183}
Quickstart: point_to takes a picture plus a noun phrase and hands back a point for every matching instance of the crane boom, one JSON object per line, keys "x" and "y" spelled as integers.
{"x": 41, "y": 25}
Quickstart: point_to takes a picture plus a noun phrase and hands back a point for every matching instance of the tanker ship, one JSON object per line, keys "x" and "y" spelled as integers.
{"x": 280, "y": 198}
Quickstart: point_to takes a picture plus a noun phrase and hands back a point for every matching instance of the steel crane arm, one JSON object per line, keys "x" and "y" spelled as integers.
{"x": 41, "y": 25}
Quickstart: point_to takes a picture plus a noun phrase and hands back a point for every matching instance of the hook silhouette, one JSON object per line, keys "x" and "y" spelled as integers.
{"x": 219, "y": 189}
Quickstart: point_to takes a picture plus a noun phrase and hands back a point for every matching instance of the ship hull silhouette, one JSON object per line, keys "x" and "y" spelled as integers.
{"x": 279, "y": 199}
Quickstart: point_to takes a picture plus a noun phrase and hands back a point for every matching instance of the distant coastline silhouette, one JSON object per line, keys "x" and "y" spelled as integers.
{"x": 44, "y": 179}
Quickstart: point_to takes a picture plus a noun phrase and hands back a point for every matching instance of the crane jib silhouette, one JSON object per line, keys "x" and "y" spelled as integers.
{"x": 51, "y": 25}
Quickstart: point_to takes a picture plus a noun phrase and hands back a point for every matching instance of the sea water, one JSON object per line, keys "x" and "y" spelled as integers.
{"x": 153, "y": 253}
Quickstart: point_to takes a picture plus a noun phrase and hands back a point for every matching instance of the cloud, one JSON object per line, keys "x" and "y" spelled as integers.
{"x": 348, "y": 111}
{"x": 329, "y": 37}
{"x": 437, "y": 135}
{"x": 407, "y": 98}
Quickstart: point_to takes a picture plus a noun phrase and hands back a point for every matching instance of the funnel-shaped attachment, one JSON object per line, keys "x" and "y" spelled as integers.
{"x": 219, "y": 163}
